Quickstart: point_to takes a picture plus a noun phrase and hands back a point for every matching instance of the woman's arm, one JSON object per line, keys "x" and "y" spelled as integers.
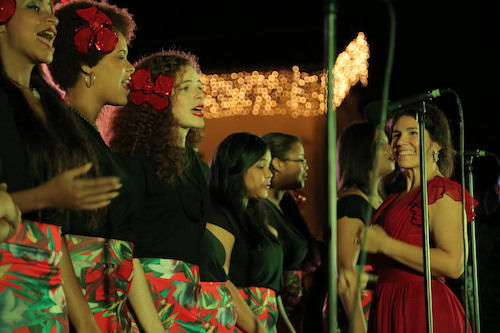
{"x": 348, "y": 246}
{"x": 79, "y": 312}
{"x": 246, "y": 320}
{"x": 284, "y": 316}
{"x": 68, "y": 191}
{"x": 142, "y": 302}
{"x": 446, "y": 257}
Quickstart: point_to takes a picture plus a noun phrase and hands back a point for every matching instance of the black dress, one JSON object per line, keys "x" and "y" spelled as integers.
{"x": 102, "y": 255}
{"x": 29, "y": 261}
{"x": 170, "y": 227}
{"x": 258, "y": 274}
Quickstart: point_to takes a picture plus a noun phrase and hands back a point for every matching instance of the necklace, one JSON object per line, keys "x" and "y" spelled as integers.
{"x": 33, "y": 91}
{"x": 81, "y": 115}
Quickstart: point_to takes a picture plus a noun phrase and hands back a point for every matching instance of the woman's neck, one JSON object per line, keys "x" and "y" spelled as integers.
{"x": 17, "y": 71}
{"x": 275, "y": 196}
{"x": 85, "y": 105}
{"x": 413, "y": 179}
{"x": 183, "y": 132}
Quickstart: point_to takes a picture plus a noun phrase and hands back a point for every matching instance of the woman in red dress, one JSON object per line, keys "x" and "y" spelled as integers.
{"x": 395, "y": 237}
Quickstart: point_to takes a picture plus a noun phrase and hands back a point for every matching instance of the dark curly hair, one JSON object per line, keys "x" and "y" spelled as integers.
{"x": 65, "y": 68}
{"x": 439, "y": 131}
{"x": 140, "y": 129}
{"x": 231, "y": 159}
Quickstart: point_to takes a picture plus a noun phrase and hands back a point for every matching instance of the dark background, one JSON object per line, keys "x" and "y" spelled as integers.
{"x": 438, "y": 44}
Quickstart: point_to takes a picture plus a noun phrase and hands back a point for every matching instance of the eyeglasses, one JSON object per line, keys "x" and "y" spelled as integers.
{"x": 303, "y": 161}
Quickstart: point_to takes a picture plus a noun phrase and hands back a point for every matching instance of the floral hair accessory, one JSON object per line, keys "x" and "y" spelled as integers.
{"x": 143, "y": 90}
{"x": 96, "y": 33}
{"x": 7, "y": 10}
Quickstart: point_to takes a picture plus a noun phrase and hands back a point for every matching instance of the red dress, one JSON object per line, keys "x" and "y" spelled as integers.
{"x": 398, "y": 304}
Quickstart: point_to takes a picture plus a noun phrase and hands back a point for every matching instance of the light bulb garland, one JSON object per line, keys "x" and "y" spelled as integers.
{"x": 285, "y": 92}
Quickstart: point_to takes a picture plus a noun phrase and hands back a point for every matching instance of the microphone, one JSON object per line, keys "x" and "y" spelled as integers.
{"x": 373, "y": 110}
{"x": 478, "y": 153}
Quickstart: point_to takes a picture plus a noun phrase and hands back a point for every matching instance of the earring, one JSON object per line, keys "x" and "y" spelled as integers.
{"x": 435, "y": 156}
{"x": 89, "y": 80}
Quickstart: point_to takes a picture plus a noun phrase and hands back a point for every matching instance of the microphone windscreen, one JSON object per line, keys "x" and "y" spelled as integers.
{"x": 372, "y": 112}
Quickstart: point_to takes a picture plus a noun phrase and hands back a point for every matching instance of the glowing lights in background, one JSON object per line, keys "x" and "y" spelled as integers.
{"x": 351, "y": 67}
{"x": 285, "y": 92}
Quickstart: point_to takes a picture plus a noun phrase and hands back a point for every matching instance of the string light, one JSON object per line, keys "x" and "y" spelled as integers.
{"x": 285, "y": 92}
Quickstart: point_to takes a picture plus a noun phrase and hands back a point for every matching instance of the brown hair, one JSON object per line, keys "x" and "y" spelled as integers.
{"x": 439, "y": 131}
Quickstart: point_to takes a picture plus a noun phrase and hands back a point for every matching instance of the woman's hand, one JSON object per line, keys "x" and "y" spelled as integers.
{"x": 68, "y": 191}
{"x": 375, "y": 238}
{"x": 10, "y": 215}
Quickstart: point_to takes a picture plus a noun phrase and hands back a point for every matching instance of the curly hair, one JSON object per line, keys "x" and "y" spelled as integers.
{"x": 140, "y": 129}
{"x": 439, "y": 131}
{"x": 65, "y": 68}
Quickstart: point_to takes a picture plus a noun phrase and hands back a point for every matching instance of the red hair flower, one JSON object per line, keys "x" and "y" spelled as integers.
{"x": 96, "y": 33}
{"x": 7, "y": 10}
{"x": 143, "y": 90}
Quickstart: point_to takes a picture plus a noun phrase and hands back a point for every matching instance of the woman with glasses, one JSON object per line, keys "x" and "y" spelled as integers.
{"x": 289, "y": 169}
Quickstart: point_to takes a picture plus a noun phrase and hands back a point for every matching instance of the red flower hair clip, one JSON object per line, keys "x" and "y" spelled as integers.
{"x": 96, "y": 33}
{"x": 7, "y": 10}
{"x": 143, "y": 90}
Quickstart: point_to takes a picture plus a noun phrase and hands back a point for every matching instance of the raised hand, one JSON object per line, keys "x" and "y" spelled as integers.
{"x": 69, "y": 191}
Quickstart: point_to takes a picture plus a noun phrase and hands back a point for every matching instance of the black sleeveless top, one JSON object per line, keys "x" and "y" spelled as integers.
{"x": 172, "y": 219}
{"x": 295, "y": 245}
{"x": 213, "y": 254}
{"x": 15, "y": 166}
{"x": 354, "y": 206}
{"x": 123, "y": 210}
{"x": 258, "y": 268}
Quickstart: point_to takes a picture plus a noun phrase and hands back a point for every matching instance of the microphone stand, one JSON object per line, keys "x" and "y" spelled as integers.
{"x": 425, "y": 218}
{"x": 475, "y": 287}
{"x": 330, "y": 9}
{"x": 464, "y": 214}
{"x": 380, "y": 128}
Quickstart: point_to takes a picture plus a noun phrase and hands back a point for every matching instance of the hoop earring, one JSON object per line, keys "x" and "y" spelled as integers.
{"x": 89, "y": 80}
{"x": 435, "y": 156}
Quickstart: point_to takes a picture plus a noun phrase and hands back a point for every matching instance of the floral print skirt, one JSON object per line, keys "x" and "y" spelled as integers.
{"x": 104, "y": 269}
{"x": 217, "y": 308}
{"x": 292, "y": 290}
{"x": 31, "y": 294}
{"x": 263, "y": 303}
{"x": 175, "y": 287}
